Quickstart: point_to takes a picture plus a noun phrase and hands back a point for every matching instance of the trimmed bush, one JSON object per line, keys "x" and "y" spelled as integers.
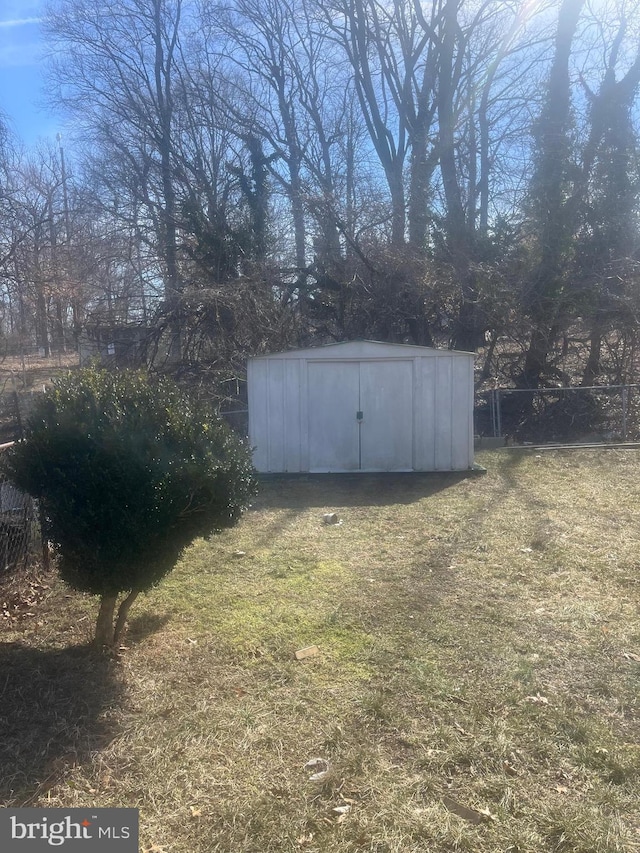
{"x": 129, "y": 471}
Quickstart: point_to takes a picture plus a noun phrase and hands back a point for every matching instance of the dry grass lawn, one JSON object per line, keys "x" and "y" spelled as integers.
{"x": 475, "y": 689}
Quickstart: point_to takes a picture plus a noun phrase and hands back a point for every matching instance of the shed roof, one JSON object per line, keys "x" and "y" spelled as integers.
{"x": 365, "y": 349}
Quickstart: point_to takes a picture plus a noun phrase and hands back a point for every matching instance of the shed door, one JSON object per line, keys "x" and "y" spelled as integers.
{"x": 360, "y": 416}
{"x": 334, "y": 390}
{"x": 386, "y": 403}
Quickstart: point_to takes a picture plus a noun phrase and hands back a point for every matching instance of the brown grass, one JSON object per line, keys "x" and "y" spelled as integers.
{"x": 476, "y": 686}
{"x": 33, "y": 372}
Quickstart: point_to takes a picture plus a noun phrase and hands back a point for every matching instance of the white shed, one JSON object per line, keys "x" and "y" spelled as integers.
{"x": 361, "y": 406}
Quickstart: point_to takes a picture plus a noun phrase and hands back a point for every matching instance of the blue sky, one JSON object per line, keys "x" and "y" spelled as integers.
{"x": 21, "y": 71}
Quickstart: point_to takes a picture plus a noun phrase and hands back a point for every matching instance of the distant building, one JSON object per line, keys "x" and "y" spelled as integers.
{"x": 124, "y": 346}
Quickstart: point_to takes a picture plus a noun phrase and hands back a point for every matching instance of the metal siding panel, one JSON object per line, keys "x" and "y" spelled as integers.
{"x": 333, "y": 395}
{"x": 275, "y": 404}
{"x": 471, "y": 395}
{"x": 416, "y": 458}
{"x": 386, "y": 400}
{"x": 257, "y": 379}
{"x": 304, "y": 415}
{"x": 460, "y": 416}
{"x": 443, "y": 414}
{"x": 426, "y": 403}
{"x": 292, "y": 421}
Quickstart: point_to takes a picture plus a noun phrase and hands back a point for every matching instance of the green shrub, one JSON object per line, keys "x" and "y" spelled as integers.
{"x": 129, "y": 471}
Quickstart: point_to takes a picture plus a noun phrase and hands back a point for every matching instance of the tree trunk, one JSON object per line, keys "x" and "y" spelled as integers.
{"x": 108, "y": 634}
{"x": 460, "y": 235}
{"x": 123, "y": 612}
{"x": 592, "y": 367}
{"x": 535, "y": 365}
{"x": 550, "y": 186}
{"x": 395, "y": 180}
{"x": 104, "y": 623}
{"x": 420, "y": 182}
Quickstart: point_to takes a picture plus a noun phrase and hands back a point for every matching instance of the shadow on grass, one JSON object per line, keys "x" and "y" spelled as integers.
{"x": 296, "y": 491}
{"x": 511, "y": 461}
{"x": 54, "y": 713}
{"x": 143, "y": 626}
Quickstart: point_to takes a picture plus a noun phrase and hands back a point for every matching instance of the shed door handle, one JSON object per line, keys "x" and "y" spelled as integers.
{"x": 359, "y": 416}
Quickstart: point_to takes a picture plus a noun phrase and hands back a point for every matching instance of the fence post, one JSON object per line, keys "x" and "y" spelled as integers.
{"x": 44, "y": 539}
{"x": 498, "y": 414}
{"x": 624, "y": 413}
{"x": 492, "y": 409}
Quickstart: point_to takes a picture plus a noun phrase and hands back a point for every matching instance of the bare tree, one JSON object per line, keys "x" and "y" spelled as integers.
{"x": 357, "y": 27}
{"x": 113, "y": 68}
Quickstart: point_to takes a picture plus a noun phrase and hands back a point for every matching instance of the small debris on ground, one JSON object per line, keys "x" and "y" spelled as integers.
{"x": 331, "y": 518}
{"x": 320, "y": 765}
{"x": 342, "y": 813}
{"x": 537, "y": 699}
{"x": 472, "y": 815}
{"x": 307, "y": 652}
{"x": 318, "y": 777}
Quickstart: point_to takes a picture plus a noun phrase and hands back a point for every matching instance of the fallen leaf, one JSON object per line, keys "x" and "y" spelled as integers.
{"x": 537, "y": 699}
{"x": 195, "y": 812}
{"x": 456, "y": 808}
{"x": 238, "y": 554}
{"x": 486, "y": 813}
{"x": 631, "y": 656}
{"x": 342, "y": 809}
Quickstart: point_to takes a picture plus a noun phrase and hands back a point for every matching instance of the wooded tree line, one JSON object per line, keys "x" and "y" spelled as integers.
{"x": 262, "y": 174}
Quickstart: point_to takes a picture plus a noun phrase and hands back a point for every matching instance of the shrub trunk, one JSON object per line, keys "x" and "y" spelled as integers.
{"x": 109, "y": 626}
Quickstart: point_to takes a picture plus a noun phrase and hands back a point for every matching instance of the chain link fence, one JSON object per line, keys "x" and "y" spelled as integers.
{"x": 600, "y": 413}
{"x": 20, "y": 530}
{"x": 21, "y": 541}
